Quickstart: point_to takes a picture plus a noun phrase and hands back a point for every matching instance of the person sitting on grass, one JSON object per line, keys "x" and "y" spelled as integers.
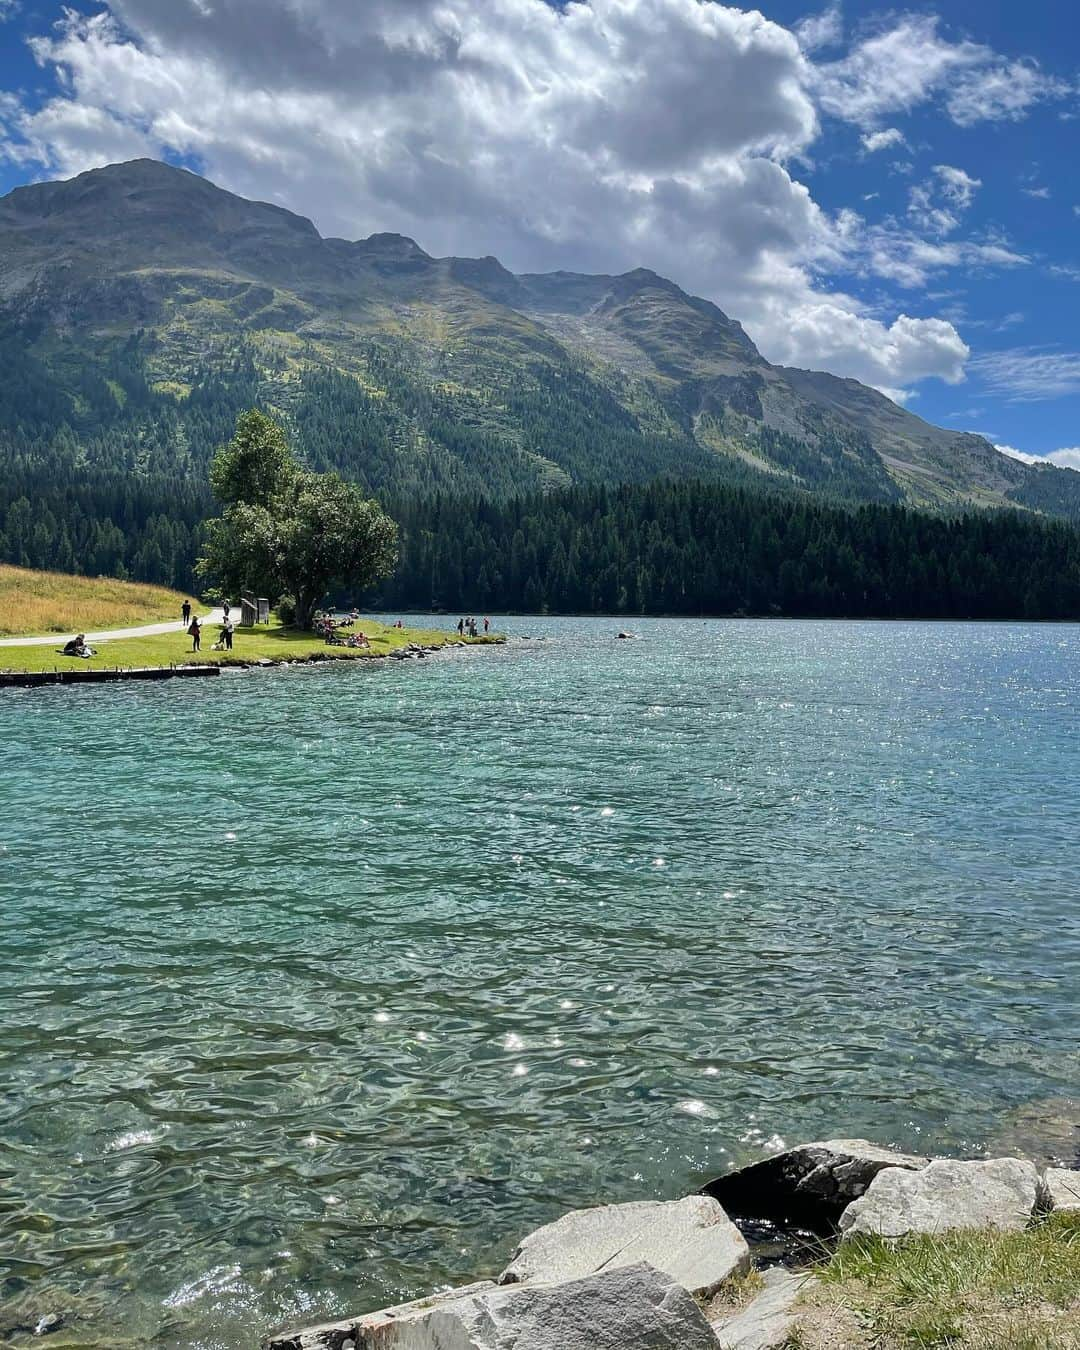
{"x": 76, "y": 646}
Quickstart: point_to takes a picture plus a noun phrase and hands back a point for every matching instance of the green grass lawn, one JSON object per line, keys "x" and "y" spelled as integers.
{"x": 272, "y": 643}
{"x": 969, "y": 1290}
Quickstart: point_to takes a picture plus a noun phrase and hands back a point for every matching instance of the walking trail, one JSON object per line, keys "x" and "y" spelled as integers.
{"x": 150, "y": 630}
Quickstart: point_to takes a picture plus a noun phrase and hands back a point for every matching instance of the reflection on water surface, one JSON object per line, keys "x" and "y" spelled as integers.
{"x": 322, "y": 986}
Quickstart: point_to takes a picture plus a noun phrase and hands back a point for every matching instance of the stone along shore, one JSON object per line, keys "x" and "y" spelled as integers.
{"x": 656, "y": 1275}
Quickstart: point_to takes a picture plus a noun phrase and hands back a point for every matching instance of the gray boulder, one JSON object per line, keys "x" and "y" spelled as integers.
{"x": 691, "y": 1240}
{"x": 810, "y": 1185}
{"x": 633, "y": 1306}
{"x": 354, "y": 1332}
{"x": 767, "y": 1322}
{"x": 1061, "y": 1188}
{"x": 1001, "y": 1193}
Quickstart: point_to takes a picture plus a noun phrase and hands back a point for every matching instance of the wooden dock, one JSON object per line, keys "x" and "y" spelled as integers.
{"x": 34, "y": 679}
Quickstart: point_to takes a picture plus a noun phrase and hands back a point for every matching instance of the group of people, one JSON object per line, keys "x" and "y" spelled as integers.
{"x": 468, "y": 626}
{"x": 330, "y": 628}
{"x": 194, "y": 627}
{"x": 78, "y": 646}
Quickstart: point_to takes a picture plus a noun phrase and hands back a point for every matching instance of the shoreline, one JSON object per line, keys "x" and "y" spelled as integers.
{"x": 38, "y": 679}
{"x": 842, "y": 1244}
{"x": 153, "y": 658}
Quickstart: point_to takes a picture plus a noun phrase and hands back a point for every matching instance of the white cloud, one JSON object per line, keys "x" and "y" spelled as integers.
{"x": 890, "y": 358}
{"x": 820, "y": 30}
{"x": 910, "y": 63}
{"x": 1068, "y": 458}
{"x": 598, "y": 136}
{"x": 873, "y": 141}
{"x": 937, "y": 204}
{"x": 1029, "y": 374}
{"x": 912, "y": 262}
{"x": 1041, "y": 192}
{"x": 1002, "y": 91}
{"x": 957, "y": 186}
{"x": 893, "y": 70}
{"x": 79, "y": 136}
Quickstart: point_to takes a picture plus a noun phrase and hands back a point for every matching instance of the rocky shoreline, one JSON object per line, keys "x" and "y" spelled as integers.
{"x": 681, "y": 1274}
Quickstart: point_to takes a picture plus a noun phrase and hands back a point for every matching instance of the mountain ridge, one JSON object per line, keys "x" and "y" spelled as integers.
{"x": 457, "y": 370}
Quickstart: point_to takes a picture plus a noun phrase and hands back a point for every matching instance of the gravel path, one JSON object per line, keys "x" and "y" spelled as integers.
{"x": 150, "y": 630}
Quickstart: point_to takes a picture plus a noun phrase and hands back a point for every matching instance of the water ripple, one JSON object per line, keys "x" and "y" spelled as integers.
{"x": 322, "y": 986}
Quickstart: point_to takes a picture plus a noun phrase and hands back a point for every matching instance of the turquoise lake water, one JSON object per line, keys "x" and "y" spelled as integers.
{"x": 322, "y": 986}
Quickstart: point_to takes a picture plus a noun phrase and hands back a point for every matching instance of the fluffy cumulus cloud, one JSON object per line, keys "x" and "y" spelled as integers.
{"x": 599, "y": 135}
{"x": 907, "y": 351}
{"x": 1067, "y": 458}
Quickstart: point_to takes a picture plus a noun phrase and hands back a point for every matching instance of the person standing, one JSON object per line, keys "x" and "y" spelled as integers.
{"x": 487, "y": 624}
{"x": 185, "y": 610}
{"x": 461, "y": 627}
{"x": 195, "y": 633}
{"x": 225, "y": 609}
{"x": 227, "y": 632}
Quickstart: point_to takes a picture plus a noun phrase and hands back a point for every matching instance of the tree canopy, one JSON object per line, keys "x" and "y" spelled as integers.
{"x": 286, "y": 531}
{"x": 700, "y": 548}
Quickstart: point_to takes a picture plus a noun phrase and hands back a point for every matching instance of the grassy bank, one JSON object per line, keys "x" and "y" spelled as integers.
{"x": 52, "y": 602}
{"x": 273, "y": 643}
{"x": 968, "y": 1290}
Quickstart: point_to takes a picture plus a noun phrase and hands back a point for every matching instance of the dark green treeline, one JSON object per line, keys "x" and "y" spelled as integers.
{"x": 662, "y": 548}
{"x": 694, "y": 548}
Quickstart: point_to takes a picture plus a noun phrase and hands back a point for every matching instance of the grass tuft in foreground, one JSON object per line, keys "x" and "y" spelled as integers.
{"x": 34, "y": 602}
{"x": 968, "y": 1290}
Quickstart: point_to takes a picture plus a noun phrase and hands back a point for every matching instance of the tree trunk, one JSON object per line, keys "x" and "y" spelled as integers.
{"x": 305, "y": 607}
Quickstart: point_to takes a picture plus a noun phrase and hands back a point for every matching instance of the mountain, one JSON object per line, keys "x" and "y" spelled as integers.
{"x": 141, "y": 307}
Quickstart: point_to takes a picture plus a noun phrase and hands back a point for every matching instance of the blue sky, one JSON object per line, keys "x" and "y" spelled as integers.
{"x": 889, "y": 193}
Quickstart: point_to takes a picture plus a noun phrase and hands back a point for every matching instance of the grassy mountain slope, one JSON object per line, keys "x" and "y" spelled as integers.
{"x": 141, "y": 307}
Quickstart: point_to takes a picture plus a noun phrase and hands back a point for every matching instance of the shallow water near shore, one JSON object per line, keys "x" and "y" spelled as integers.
{"x": 323, "y": 985}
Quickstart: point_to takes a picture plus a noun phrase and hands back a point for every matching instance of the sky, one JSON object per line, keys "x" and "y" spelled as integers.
{"x": 889, "y": 193}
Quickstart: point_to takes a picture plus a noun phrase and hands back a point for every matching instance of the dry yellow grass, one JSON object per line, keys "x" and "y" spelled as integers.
{"x": 52, "y": 602}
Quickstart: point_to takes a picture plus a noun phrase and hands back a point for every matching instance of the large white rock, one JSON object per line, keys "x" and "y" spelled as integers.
{"x": 628, "y": 1308}
{"x": 810, "y": 1184}
{"x": 352, "y": 1332}
{"x": 1001, "y": 1193}
{"x": 1062, "y": 1188}
{"x": 692, "y": 1240}
{"x": 767, "y": 1322}
{"x": 631, "y": 1308}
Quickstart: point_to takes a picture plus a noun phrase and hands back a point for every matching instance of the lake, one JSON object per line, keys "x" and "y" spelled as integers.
{"x": 321, "y": 986}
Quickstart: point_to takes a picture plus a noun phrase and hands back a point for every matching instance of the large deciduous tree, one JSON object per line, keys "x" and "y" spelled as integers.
{"x": 287, "y": 531}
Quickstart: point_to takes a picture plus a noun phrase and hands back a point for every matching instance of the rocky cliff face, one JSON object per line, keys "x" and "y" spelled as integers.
{"x": 201, "y": 275}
